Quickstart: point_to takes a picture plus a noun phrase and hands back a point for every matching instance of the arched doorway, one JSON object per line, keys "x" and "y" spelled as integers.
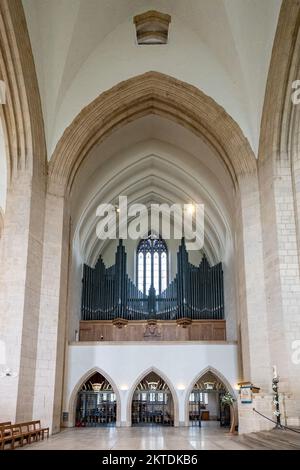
{"x": 189, "y": 108}
{"x": 152, "y": 402}
{"x": 96, "y": 403}
{"x": 205, "y": 401}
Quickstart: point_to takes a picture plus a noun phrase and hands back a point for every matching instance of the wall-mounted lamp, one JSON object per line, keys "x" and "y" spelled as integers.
{"x": 181, "y": 387}
{"x": 8, "y": 373}
{"x": 124, "y": 388}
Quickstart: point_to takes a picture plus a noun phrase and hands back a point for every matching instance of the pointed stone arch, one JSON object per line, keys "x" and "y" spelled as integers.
{"x": 21, "y": 116}
{"x": 151, "y": 93}
{"x": 220, "y": 376}
{"x": 82, "y": 380}
{"x": 171, "y": 387}
{"x": 159, "y": 94}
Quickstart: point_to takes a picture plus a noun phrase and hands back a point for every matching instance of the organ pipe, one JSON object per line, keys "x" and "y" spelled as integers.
{"x": 195, "y": 292}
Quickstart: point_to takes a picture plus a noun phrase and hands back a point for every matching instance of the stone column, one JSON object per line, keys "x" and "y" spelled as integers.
{"x": 20, "y": 281}
{"x": 281, "y": 254}
{"x": 253, "y": 326}
{"x": 253, "y": 318}
{"x": 52, "y": 324}
{"x": 295, "y": 167}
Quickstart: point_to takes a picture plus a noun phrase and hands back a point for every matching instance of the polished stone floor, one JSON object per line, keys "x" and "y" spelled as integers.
{"x": 209, "y": 437}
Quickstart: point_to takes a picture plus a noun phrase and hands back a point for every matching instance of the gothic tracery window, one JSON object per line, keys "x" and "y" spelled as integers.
{"x": 152, "y": 264}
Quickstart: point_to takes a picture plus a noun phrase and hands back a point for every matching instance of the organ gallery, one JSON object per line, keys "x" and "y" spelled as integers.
{"x": 196, "y": 293}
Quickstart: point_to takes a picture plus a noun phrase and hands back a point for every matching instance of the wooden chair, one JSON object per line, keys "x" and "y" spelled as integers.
{"x": 5, "y": 437}
{"x": 5, "y": 423}
{"x": 29, "y": 432}
{"x": 41, "y": 432}
{"x": 17, "y": 435}
{"x": 10, "y": 434}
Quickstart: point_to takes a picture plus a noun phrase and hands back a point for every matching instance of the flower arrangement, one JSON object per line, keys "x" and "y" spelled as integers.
{"x": 227, "y": 399}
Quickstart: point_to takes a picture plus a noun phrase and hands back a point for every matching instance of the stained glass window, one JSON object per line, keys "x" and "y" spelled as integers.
{"x": 152, "y": 264}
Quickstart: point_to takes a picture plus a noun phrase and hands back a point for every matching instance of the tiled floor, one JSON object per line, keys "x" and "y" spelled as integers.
{"x": 210, "y": 436}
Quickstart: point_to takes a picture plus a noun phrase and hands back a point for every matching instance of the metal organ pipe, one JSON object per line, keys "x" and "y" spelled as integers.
{"x": 196, "y": 292}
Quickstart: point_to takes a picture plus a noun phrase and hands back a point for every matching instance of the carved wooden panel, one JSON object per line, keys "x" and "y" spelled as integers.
{"x": 197, "y": 330}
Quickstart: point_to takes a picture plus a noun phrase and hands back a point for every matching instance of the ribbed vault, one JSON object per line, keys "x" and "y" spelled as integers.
{"x": 150, "y": 170}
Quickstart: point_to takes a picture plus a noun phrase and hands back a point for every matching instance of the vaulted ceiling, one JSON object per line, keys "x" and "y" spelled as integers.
{"x": 83, "y": 47}
{"x": 153, "y": 160}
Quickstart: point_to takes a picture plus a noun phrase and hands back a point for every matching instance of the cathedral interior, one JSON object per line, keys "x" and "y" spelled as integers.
{"x": 118, "y": 328}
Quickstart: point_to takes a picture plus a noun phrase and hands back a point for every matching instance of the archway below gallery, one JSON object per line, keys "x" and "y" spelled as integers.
{"x": 204, "y": 400}
{"x": 96, "y": 403}
{"x": 152, "y": 402}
